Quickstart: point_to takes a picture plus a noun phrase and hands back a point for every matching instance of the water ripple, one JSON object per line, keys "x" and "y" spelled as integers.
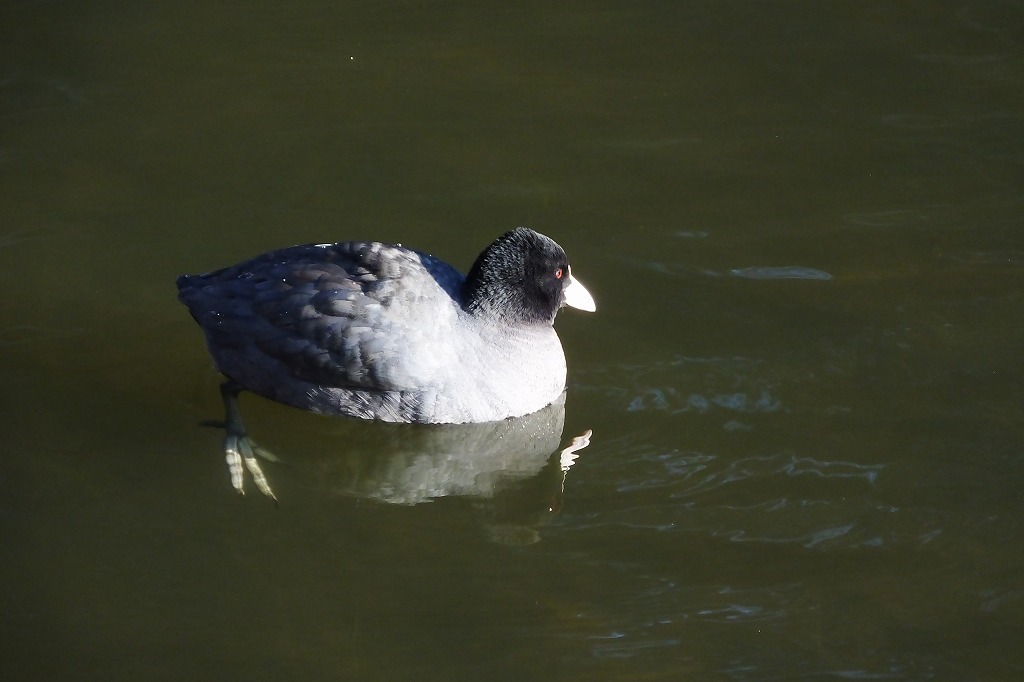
{"x": 809, "y": 540}
{"x": 669, "y": 399}
{"x": 728, "y": 385}
{"x": 761, "y": 466}
{"x": 1012, "y": 258}
{"x": 785, "y": 272}
{"x": 757, "y": 272}
{"x": 904, "y": 217}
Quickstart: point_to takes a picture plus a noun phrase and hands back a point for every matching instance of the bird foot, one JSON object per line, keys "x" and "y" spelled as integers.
{"x": 239, "y": 449}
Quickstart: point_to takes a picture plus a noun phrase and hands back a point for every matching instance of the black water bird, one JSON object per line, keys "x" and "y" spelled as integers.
{"x": 381, "y": 331}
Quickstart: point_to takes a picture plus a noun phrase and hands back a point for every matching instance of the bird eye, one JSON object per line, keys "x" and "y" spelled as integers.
{"x": 558, "y": 273}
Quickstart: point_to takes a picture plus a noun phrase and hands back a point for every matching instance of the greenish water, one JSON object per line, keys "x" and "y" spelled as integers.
{"x": 802, "y": 223}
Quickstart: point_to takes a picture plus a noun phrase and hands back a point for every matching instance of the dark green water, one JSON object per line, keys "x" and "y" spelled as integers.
{"x": 803, "y": 223}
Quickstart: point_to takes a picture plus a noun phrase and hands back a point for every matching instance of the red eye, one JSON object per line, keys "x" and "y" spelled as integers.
{"x": 558, "y": 273}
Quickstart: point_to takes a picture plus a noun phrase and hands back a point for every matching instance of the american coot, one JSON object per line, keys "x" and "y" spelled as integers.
{"x": 381, "y": 331}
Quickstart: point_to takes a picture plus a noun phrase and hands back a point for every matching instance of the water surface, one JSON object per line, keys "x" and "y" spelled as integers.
{"x": 802, "y": 225}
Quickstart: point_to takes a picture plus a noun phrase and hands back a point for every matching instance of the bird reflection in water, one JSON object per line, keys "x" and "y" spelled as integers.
{"x": 512, "y": 471}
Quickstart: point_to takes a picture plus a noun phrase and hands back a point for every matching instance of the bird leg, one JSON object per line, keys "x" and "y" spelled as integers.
{"x": 239, "y": 448}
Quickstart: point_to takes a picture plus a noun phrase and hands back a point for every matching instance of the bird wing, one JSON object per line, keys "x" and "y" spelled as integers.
{"x": 360, "y": 315}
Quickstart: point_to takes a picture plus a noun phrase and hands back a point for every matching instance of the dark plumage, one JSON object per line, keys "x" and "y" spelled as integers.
{"x": 381, "y": 331}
